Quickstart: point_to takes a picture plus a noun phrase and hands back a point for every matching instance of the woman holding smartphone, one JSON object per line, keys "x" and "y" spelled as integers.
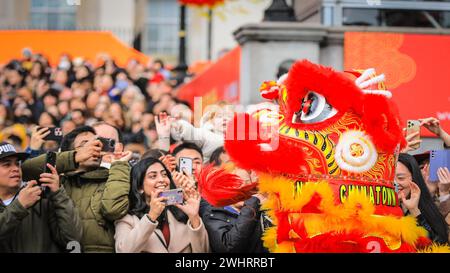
{"x": 153, "y": 226}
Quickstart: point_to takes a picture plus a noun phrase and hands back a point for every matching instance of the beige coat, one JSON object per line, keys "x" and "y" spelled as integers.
{"x": 141, "y": 235}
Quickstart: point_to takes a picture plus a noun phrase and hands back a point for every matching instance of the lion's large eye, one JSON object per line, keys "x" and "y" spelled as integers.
{"x": 314, "y": 109}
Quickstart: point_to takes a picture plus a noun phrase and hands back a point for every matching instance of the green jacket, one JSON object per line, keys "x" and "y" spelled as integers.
{"x": 48, "y": 226}
{"x": 101, "y": 196}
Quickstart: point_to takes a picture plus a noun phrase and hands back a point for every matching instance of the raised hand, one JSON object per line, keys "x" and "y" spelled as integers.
{"x": 410, "y": 146}
{"x": 169, "y": 161}
{"x": 37, "y": 137}
{"x": 92, "y": 149}
{"x": 431, "y": 185}
{"x": 163, "y": 123}
{"x": 444, "y": 181}
{"x": 262, "y": 197}
{"x": 50, "y": 180}
{"x": 121, "y": 156}
{"x": 29, "y": 195}
{"x": 412, "y": 203}
{"x": 191, "y": 207}
{"x": 157, "y": 205}
{"x": 432, "y": 124}
{"x": 183, "y": 181}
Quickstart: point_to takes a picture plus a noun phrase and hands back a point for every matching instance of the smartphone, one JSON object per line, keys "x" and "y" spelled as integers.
{"x": 174, "y": 196}
{"x": 185, "y": 165}
{"x": 55, "y": 134}
{"x": 438, "y": 159}
{"x": 108, "y": 144}
{"x": 50, "y": 158}
{"x": 413, "y": 126}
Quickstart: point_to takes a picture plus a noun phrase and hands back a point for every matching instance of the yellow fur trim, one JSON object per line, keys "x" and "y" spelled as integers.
{"x": 270, "y": 238}
{"x": 356, "y": 214}
{"x": 434, "y": 248}
{"x": 285, "y": 247}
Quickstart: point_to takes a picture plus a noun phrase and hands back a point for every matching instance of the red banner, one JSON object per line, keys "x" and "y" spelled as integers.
{"x": 417, "y": 69}
{"x": 220, "y": 81}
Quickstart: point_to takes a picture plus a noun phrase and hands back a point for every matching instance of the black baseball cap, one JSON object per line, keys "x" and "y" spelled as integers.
{"x": 7, "y": 150}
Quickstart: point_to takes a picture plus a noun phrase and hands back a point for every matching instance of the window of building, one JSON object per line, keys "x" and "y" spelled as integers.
{"x": 396, "y": 18}
{"x": 52, "y": 14}
{"x": 161, "y": 28}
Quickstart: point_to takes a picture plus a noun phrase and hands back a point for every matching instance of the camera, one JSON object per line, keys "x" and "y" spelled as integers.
{"x": 108, "y": 144}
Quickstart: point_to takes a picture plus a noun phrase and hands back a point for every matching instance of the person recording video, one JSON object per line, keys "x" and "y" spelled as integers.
{"x": 99, "y": 193}
{"x": 28, "y": 222}
{"x": 146, "y": 227}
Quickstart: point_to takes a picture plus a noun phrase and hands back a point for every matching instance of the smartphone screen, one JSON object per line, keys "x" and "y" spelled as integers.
{"x": 413, "y": 126}
{"x": 185, "y": 165}
{"x": 438, "y": 159}
{"x": 174, "y": 196}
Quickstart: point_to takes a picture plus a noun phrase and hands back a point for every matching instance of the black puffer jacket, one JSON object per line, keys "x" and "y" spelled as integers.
{"x": 234, "y": 232}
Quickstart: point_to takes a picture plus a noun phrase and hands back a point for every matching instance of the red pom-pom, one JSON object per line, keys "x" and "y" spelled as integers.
{"x": 270, "y": 90}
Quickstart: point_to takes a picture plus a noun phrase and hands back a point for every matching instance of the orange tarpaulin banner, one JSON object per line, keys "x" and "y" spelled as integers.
{"x": 220, "y": 81}
{"x": 416, "y": 68}
{"x": 52, "y": 44}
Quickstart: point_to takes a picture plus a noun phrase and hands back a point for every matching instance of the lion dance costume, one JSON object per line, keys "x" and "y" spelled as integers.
{"x": 329, "y": 174}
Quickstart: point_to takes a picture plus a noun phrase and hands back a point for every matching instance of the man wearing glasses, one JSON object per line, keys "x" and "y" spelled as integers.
{"x": 99, "y": 193}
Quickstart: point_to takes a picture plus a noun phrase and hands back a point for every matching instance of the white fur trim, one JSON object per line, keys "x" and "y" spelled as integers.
{"x": 252, "y": 108}
{"x": 364, "y": 76}
{"x": 385, "y": 93}
{"x": 374, "y": 80}
{"x": 357, "y": 164}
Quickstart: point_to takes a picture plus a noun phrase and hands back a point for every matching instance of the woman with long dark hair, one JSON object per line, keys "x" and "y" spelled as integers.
{"x": 416, "y": 200}
{"x": 151, "y": 225}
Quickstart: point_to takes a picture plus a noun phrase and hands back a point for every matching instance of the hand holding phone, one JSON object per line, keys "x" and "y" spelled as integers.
{"x": 38, "y": 135}
{"x": 54, "y": 133}
{"x": 174, "y": 196}
{"x": 438, "y": 159}
{"x": 50, "y": 159}
{"x": 185, "y": 165}
{"x": 413, "y": 127}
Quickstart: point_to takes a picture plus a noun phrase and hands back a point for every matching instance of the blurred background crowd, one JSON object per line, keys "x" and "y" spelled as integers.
{"x": 76, "y": 93}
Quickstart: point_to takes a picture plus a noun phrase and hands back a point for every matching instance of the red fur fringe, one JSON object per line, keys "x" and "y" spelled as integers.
{"x": 382, "y": 123}
{"x": 247, "y": 153}
{"x": 379, "y": 114}
{"x": 221, "y": 189}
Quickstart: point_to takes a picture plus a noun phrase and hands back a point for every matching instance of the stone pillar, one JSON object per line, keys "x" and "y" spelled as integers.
{"x": 266, "y": 45}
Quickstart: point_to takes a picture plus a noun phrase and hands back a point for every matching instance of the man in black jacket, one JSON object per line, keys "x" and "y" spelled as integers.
{"x": 236, "y": 228}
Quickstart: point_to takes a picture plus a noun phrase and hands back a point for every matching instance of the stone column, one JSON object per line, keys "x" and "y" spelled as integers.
{"x": 266, "y": 45}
